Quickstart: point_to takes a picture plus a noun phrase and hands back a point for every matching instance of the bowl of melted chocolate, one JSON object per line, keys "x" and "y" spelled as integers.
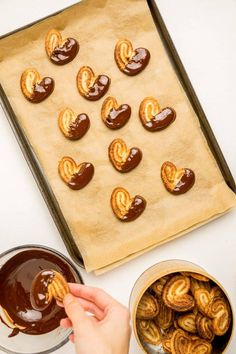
{"x": 24, "y": 329}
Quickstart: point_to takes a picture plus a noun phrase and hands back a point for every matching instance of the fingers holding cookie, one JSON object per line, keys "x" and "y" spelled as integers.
{"x": 130, "y": 61}
{"x": 90, "y": 86}
{"x": 34, "y": 88}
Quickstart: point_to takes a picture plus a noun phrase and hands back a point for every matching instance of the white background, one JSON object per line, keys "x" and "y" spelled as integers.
{"x": 204, "y": 33}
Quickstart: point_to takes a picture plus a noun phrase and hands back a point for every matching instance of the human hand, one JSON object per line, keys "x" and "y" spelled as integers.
{"x": 106, "y": 332}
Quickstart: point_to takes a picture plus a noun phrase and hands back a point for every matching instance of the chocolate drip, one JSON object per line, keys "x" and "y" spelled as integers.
{"x": 138, "y": 62}
{"x": 186, "y": 182}
{"x": 79, "y": 127}
{"x": 99, "y": 88}
{"x": 133, "y": 160}
{"x": 137, "y": 207}
{"x": 161, "y": 120}
{"x": 66, "y": 53}
{"x": 16, "y": 277}
{"x": 42, "y": 90}
{"x": 117, "y": 118}
{"x": 80, "y": 179}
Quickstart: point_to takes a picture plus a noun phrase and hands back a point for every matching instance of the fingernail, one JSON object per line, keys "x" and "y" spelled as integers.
{"x": 68, "y": 299}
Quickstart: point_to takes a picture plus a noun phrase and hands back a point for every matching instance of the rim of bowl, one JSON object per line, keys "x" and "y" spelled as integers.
{"x": 52, "y": 250}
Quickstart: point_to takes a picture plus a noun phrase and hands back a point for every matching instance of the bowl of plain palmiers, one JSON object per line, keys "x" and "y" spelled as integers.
{"x": 178, "y": 308}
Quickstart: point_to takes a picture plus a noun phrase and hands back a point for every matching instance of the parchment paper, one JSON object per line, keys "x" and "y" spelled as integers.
{"x": 103, "y": 240}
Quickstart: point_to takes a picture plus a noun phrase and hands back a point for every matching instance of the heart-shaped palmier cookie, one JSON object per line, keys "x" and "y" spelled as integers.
{"x": 34, "y": 88}
{"x": 219, "y": 311}
{"x": 183, "y": 343}
{"x": 73, "y": 127}
{"x": 203, "y": 298}
{"x": 124, "y": 207}
{"x": 122, "y": 158}
{"x": 204, "y": 327}
{"x": 165, "y": 317}
{"x": 187, "y": 322}
{"x": 176, "y": 294}
{"x": 46, "y": 286}
{"x": 158, "y": 286}
{"x": 60, "y": 51}
{"x": 152, "y": 117}
{"x": 177, "y": 181}
{"x": 113, "y": 115}
{"x": 148, "y": 307}
{"x": 90, "y": 86}
{"x": 148, "y": 332}
{"x": 197, "y": 276}
{"x": 75, "y": 176}
{"x": 130, "y": 61}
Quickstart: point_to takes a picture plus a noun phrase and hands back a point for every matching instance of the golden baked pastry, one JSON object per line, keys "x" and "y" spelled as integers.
{"x": 46, "y": 286}
{"x": 90, "y": 86}
{"x": 148, "y": 307}
{"x": 113, "y": 115}
{"x": 219, "y": 311}
{"x": 122, "y": 158}
{"x": 187, "y": 322}
{"x": 177, "y": 181}
{"x": 6, "y": 318}
{"x": 152, "y": 117}
{"x": 183, "y": 343}
{"x": 165, "y": 317}
{"x": 73, "y": 127}
{"x": 75, "y": 176}
{"x": 60, "y": 51}
{"x": 197, "y": 284}
{"x": 158, "y": 286}
{"x": 197, "y": 276}
{"x": 124, "y": 207}
{"x": 175, "y": 294}
{"x": 130, "y": 61}
{"x": 202, "y": 297}
{"x": 34, "y": 88}
{"x": 148, "y": 332}
{"x": 166, "y": 339}
{"x": 204, "y": 327}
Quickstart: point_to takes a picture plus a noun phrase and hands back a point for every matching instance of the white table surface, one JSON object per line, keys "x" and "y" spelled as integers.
{"x": 204, "y": 33}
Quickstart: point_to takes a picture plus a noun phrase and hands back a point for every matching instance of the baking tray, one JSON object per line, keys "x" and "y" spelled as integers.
{"x": 35, "y": 165}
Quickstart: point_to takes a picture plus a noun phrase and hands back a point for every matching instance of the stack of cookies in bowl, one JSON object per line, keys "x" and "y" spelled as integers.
{"x": 184, "y": 313}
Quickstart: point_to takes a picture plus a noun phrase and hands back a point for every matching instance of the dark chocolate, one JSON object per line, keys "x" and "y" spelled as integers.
{"x": 79, "y": 127}
{"x": 42, "y": 90}
{"x": 16, "y": 277}
{"x": 138, "y": 62}
{"x": 67, "y": 52}
{"x": 39, "y": 289}
{"x": 99, "y": 88}
{"x": 133, "y": 160}
{"x": 80, "y": 179}
{"x": 161, "y": 120}
{"x": 137, "y": 207}
{"x": 185, "y": 183}
{"x": 117, "y": 118}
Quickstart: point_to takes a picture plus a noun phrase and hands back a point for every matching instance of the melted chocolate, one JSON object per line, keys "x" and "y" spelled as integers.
{"x": 79, "y": 127}
{"x": 133, "y": 160}
{"x": 42, "y": 90}
{"x": 136, "y": 209}
{"x": 186, "y": 182}
{"x": 16, "y": 277}
{"x": 66, "y": 53}
{"x": 117, "y": 118}
{"x": 99, "y": 88}
{"x": 161, "y": 120}
{"x": 138, "y": 62}
{"x": 39, "y": 289}
{"x": 80, "y": 179}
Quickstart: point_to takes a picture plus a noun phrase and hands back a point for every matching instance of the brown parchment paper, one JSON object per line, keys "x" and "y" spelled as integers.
{"x": 104, "y": 241}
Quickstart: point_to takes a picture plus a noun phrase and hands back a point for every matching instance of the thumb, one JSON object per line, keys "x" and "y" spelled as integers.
{"x": 76, "y": 314}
